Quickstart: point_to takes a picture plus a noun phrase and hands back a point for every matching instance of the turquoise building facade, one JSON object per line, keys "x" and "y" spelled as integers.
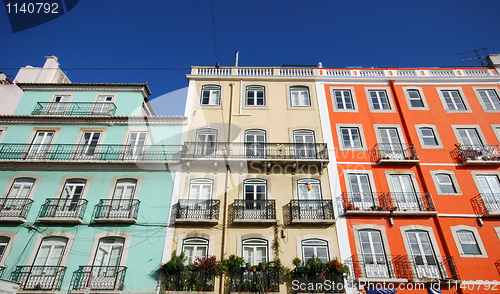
{"x": 86, "y": 176}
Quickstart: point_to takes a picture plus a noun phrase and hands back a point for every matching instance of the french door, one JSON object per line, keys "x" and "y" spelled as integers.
{"x": 103, "y": 105}
{"x": 106, "y": 263}
{"x": 16, "y": 201}
{"x": 374, "y": 258}
{"x": 361, "y": 191}
{"x": 391, "y": 143}
{"x": 136, "y": 145}
{"x": 68, "y": 204}
{"x": 404, "y": 193}
{"x": 205, "y": 142}
{"x": 58, "y": 106}
{"x": 304, "y": 144}
{"x": 423, "y": 255}
{"x": 88, "y": 145}
{"x": 121, "y": 204}
{"x": 39, "y": 148}
{"x": 490, "y": 186}
{"x": 255, "y": 143}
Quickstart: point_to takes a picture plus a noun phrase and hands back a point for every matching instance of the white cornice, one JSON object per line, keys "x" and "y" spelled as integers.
{"x": 142, "y": 88}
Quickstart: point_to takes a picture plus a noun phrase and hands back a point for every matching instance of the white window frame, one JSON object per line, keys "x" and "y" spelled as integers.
{"x": 475, "y": 232}
{"x": 255, "y": 243}
{"x": 390, "y": 100}
{"x": 320, "y": 243}
{"x": 454, "y": 182}
{"x": 58, "y": 110}
{"x": 306, "y": 103}
{"x": 333, "y": 99}
{"x": 211, "y": 90}
{"x": 105, "y": 107}
{"x": 421, "y": 137}
{"x": 477, "y": 91}
{"x": 11, "y": 238}
{"x": 201, "y": 182}
{"x": 195, "y": 243}
{"x": 81, "y": 149}
{"x": 422, "y": 98}
{"x": 476, "y": 127}
{"x": 255, "y": 89}
{"x": 4, "y": 243}
{"x": 462, "y": 96}
{"x": 350, "y": 127}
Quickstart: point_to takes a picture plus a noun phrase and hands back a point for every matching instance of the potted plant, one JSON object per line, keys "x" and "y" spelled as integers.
{"x": 296, "y": 262}
{"x": 373, "y": 207}
{"x": 175, "y": 263}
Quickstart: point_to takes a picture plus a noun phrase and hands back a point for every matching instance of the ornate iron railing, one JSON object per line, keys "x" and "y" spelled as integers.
{"x": 83, "y": 152}
{"x": 188, "y": 280}
{"x": 394, "y": 152}
{"x": 483, "y": 153}
{"x": 256, "y": 151}
{"x": 47, "y": 278}
{"x": 14, "y": 207}
{"x": 254, "y": 209}
{"x": 75, "y": 108}
{"x": 363, "y": 202}
{"x": 411, "y": 201}
{"x": 198, "y": 209}
{"x": 311, "y": 210}
{"x": 497, "y": 264}
{"x": 63, "y": 208}
{"x": 247, "y": 280}
{"x": 2, "y": 269}
{"x": 379, "y": 266}
{"x": 486, "y": 203}
{"x": 98, "y": 278}
{"x": 434, "y": 267}
{"x": 315, "y": 282}
{"x": 125, "y": 209}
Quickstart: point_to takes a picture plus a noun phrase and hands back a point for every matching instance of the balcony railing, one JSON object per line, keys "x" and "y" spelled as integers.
{"x": 311, "y": 210}
{"x": 379, "y": 266}
{"x": 75, "y": 108}
{"x": 394, "y": 153}
{"x": 486, "y": 204}
{"x": 197, "y": 210}
{"x": 256, "y": 151}
{"x": 188, "y": 280}
{"x": 16, "y": 208}
{"x": 258, "y": 210}
{"x": 247, "y": 280}
{"x": 84, "y": 152}
{"x": 411, "y": 201}
{"x": 58, "y": 208}
{"x": 116, "y": 210}
{"x": 431, "y": 267}
{"x": 2, "y": 269}
{"x": 363, "y": 202}
{"x": 43, "y": 278}
{"x": 315, "y": 281}
{"x": 488, "y": 154}
{"x": 110, "y": 278}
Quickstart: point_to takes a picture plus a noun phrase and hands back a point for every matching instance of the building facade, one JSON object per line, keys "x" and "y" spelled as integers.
{"x": 86, "y": 177}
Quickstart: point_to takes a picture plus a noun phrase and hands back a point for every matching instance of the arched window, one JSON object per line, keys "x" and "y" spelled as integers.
{"x": 255, "y": 96}
{"x": 299, "y": 96}
{"x": 194, "y": 247}
{"x": 255, "y": 143}
{"x": 4, "y": 242}
{"x": 255, "y": 251}
{"x": 210, "y": 95}
{"x": 205, "y": 142}
{"x": 468, "y": 242}
{"x": 316, "y": 247}
{"x": 107, "y": 259}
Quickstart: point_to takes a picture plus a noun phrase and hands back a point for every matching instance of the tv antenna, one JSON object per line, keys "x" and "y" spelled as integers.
{"x": 478, "y": 57}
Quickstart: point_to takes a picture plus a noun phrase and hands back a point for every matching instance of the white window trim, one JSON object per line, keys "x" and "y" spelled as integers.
{"x": 422, "y": 97}
{"x": 310, "y": 88}
{"x": 110, "y": 234}
{"x": 60, "y": 234}
{"x": 354, "y": 171}
{"x": 496, "y": 130}
{"x": 104, "y": 94}
{"x": 244, "y": 102}
{"x": 64, "y": 179}
{"x": 454, "y": 181}
{"x": 383, "y": 234}
{"x": 411, "y": 173}
{"x": 115, "y": 180}
{"x": 376, "y": 128}
{"x": 269, "y": 239}
{"x": 478, "y": 96}
{"x": 99, "y": 142}
{"x": 329, "y": 240}
{"x": 70, "y": 95}
{"x": 12, "y": 237}
{"x": 334, "y": 101}
{"x": 42, "y": 129}
{"x": 462, "y": 95}
{"x": 210, "y": 238}
{"x": 200, "y": 97}
{"x": 18, "y": 176}
{"x": 363, "y": 147}
{"x": 436, "y": 135}
{"x": 476, "y": 127}
{"x": 480, "y": 173}
{"x": 136, "y": 130}
{"x": 243, "y": 98}
{"x": 479, "y": 243}
{"x": 218, "y": 133}
{"x": 390, "y": 100}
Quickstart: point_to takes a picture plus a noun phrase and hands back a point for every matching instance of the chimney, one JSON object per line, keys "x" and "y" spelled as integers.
{"x": 237, "y": 53}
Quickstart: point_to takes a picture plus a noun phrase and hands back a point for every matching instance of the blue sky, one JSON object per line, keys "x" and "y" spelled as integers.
{"x": 179, "y": 34}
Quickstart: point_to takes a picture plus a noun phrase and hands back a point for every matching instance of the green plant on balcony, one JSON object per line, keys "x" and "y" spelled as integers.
{"x": 315, "y": 271}
{"x": 233, "y": 262}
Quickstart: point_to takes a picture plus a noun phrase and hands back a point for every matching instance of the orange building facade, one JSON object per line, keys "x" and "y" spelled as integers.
{"x": 418, "y": 161}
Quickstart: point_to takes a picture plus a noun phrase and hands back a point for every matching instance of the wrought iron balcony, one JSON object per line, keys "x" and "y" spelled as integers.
{"x": 110, "y": 278}
{"x": 484, "y": 155}
{"x": 14, "y": 209}
{"x": 401, "y": 202}
{"x": 42, "y": 278}
{"x": 254, "y": 210}
{"x": 256, "y": 151}
{"x": 75, "y": 108}
{"x": 62, "y": 210}
{"x": 188, "y": 280}
{"x": 486, "y": 204}
{"x": 2, "y": 269}
{"x": 363, "y": 203}
{"x": 310, "y": 277}
{"x": 247, "y": 280}
{"x": 188, "y": 210}
{"x": 394, "y": 153}
{"x": 431, "y": 267}
{"x": 85, "y": 153}
{"x": 379, "y": 267}
{"x": 311, "y": 211}
{"x": 116, "y": 210}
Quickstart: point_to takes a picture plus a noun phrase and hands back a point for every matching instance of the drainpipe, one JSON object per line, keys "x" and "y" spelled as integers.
{"x": 420, "y": 173}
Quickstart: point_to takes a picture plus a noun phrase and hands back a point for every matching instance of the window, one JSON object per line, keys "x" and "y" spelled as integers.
{"x": 205, "y": 142}
{"x": 299, "y": 96}
{"x": 201, "y": 189}
{"x": 122, "y": 202}
{"x": 255, "y": 251}
{"x": 136, "y": 145}
{"x": 490, "y": 188}
{"x": 69, "y": 203}
{"x": 453, "y": 100}
{"x": 316, "y": 247}
{"x": 374, "y": 258}
{"x": 490, "y": 99}
{"x": 468, "y": 243}
{"x": 88, "y": 145}
{"x": 58, "y": 106}
{"x": 415, "y": 99}
{"x": 210, "y": 95}
{"x": 428, "y": 137}
{"x": 255, "y": 143}
{"x": 194, "y": 247}
{"x": 103, "y": 105}
{"x": 40, "y": 146}
{"x": 379, "y": 100}
{"x": 15, "y": 204}
{"x": 389, "y": 143}
{"x": 470, "y": 138}
{"x": 350, "y": 137}
{"x": 4, "y": 242}
{"x": 445, "y": 184}
{"x": 309, "y": 189}
{"x": 423, "y": 254}
{"x": 304, "y": 144}
{"x": 255, "y": 96}
{"x": 360, "y": 188}
{"x": 403, "y": 192}
{"x": 106, "y": 261}
{"x": 343, "y": 99}
{"x": 48, "y": 257}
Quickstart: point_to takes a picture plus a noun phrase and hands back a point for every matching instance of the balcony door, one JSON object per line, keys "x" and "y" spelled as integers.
{"x": 121, "y": 204}
{"x": 103, "y": 105}
{"x": 16, "y": 201}
{"x": 305, "y": 146}
{"x": 490, "y": 186}
{"x": 255, "y": 199}
{"x": 255, "y": 251}
{"x": 315, "y": 247}
{"x": 136, "y": 145}
{"x": 106, "y": 264}
{"x": 68, "y": 204}
{"x": 39, "y": 148}
{"x": 470, "y": 138}
{"x": 205, "y": 142}
{"x": 200, "y": 196}
{"x": 58, "y": 106}
{"x": 361, "y": 191}
{"x": 309, "y": 195}
{"x": 423, "y": 255}
{"x": 88, "y": 145}
{"x": 404, "y": 193}
{"x": 255, "y": 144}
{"x": 391, "y": 143}
{"x": 374, "y": 258}
{"x": 45, "y": 268}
